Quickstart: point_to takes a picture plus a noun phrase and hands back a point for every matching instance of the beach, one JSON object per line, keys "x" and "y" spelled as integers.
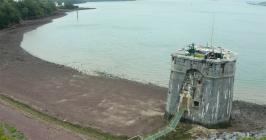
{"x": 117, "y": 106}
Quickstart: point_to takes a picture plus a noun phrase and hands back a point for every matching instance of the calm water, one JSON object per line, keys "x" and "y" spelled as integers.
{"x": 134, "y": 40}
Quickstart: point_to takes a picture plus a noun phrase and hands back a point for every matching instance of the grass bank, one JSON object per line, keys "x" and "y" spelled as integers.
{"x": 9, "y": 132}
{"x": 81, "y": 130}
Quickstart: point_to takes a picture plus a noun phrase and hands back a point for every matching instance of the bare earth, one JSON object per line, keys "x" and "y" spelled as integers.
{"x": 33, "y": 129}
{"x": 113, "y": 105}
{"x": 247, "y": 116}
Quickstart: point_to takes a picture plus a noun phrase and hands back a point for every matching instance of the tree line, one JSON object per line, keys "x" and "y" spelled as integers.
{"x": 13, "y": 11}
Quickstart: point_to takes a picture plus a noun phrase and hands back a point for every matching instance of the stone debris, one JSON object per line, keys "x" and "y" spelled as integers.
{"x": 201, "y": 132}
{"x": 235, "y": 135}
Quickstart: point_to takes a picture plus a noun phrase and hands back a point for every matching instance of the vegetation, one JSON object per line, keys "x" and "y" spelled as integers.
{"x": 86, "y": 131}
{"x": 180, "y": 133}
{"x": 8, "y": 132}
{"x": 199, "y": 55}
{"x": 8, "y": 13}
{"x": 12, "y": 12}
{"x": 71, "y": 1}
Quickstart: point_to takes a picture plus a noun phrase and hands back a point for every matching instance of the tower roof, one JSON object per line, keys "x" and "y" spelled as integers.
{"x": 199, "y": 52}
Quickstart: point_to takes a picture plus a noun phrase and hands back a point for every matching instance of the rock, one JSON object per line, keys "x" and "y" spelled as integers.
{"x": 201, "y": 132}
{"x": 230, "y": 135}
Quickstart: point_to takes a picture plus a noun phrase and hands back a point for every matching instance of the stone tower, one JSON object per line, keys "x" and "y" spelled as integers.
{"x": 201, "y": 83}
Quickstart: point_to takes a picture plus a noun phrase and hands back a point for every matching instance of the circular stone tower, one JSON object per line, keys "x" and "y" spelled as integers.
{"x": 201, "y": 83}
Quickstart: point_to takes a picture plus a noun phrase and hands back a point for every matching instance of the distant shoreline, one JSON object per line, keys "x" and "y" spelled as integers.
{"x": 108, "y": 0}
{"x": 257, "y": 3}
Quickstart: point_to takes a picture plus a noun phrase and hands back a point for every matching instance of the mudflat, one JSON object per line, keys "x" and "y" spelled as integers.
{"x": 112, "y": 105}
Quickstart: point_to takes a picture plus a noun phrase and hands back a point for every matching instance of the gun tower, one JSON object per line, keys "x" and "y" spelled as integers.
{"x": 201, "y": 83}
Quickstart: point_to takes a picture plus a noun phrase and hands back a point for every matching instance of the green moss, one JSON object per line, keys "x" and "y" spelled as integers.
{"x": 180, "y": 133}
{"x": 8, "y": 132}
{"x": 199, "y": 55}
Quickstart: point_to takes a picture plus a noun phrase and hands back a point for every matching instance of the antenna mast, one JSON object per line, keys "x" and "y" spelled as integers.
{"x": 213, "y": 22}
{"x": 77, "y": 14}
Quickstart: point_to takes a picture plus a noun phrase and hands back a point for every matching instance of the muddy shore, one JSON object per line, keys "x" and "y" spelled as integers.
{"x": 113, "y": 105}
{"x": 117, "y": 106}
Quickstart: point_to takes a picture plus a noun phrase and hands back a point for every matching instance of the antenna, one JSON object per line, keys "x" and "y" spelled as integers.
{"x": 213, "y": 22}
{"x": 77, "y": 15}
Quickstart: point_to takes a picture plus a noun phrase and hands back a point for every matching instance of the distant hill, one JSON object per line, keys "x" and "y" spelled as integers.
{"x": 82, "y": 1}
{"x": 262, "y": 3}
{"x": 107, "y": 0}
{"x": 258, "y": 3}
{"x": 110, "y": 0}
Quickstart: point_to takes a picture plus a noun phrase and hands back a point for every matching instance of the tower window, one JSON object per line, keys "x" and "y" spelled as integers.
{"x": 196, "y": 104}
{"x": 199, "y": 82}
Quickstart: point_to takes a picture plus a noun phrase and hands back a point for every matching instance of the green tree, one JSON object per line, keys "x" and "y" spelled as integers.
{"x": 8, "y": 13}
{"x": 12, "y": 12}
{"x": 69, "y": 5}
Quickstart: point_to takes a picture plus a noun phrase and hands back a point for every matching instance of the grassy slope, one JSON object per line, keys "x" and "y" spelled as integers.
{"x": 8, "y": 132}
{"x": 85, "y": 131}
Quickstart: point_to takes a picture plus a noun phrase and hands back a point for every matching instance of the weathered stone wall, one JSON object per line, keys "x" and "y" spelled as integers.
{"x": 216, "y": 92}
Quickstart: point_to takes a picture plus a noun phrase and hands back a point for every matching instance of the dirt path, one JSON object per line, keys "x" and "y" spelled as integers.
{"x": 33, "y": 129}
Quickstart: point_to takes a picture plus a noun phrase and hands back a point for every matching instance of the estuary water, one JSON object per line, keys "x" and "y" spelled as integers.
{"x": 134, "y": 39}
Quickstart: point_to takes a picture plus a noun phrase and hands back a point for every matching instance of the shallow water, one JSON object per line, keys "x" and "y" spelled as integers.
{"x": 134, "y": 39}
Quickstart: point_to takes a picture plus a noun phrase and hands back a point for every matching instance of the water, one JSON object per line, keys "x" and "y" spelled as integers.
{"x": 134, "y": 39}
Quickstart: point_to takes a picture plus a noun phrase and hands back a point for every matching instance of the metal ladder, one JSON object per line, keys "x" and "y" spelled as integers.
{"x": 162, "y": 132}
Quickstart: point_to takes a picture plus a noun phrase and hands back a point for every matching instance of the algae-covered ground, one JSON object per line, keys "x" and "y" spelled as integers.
{"x": 9, "y": 132}
{"x": 181, "y": 133}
